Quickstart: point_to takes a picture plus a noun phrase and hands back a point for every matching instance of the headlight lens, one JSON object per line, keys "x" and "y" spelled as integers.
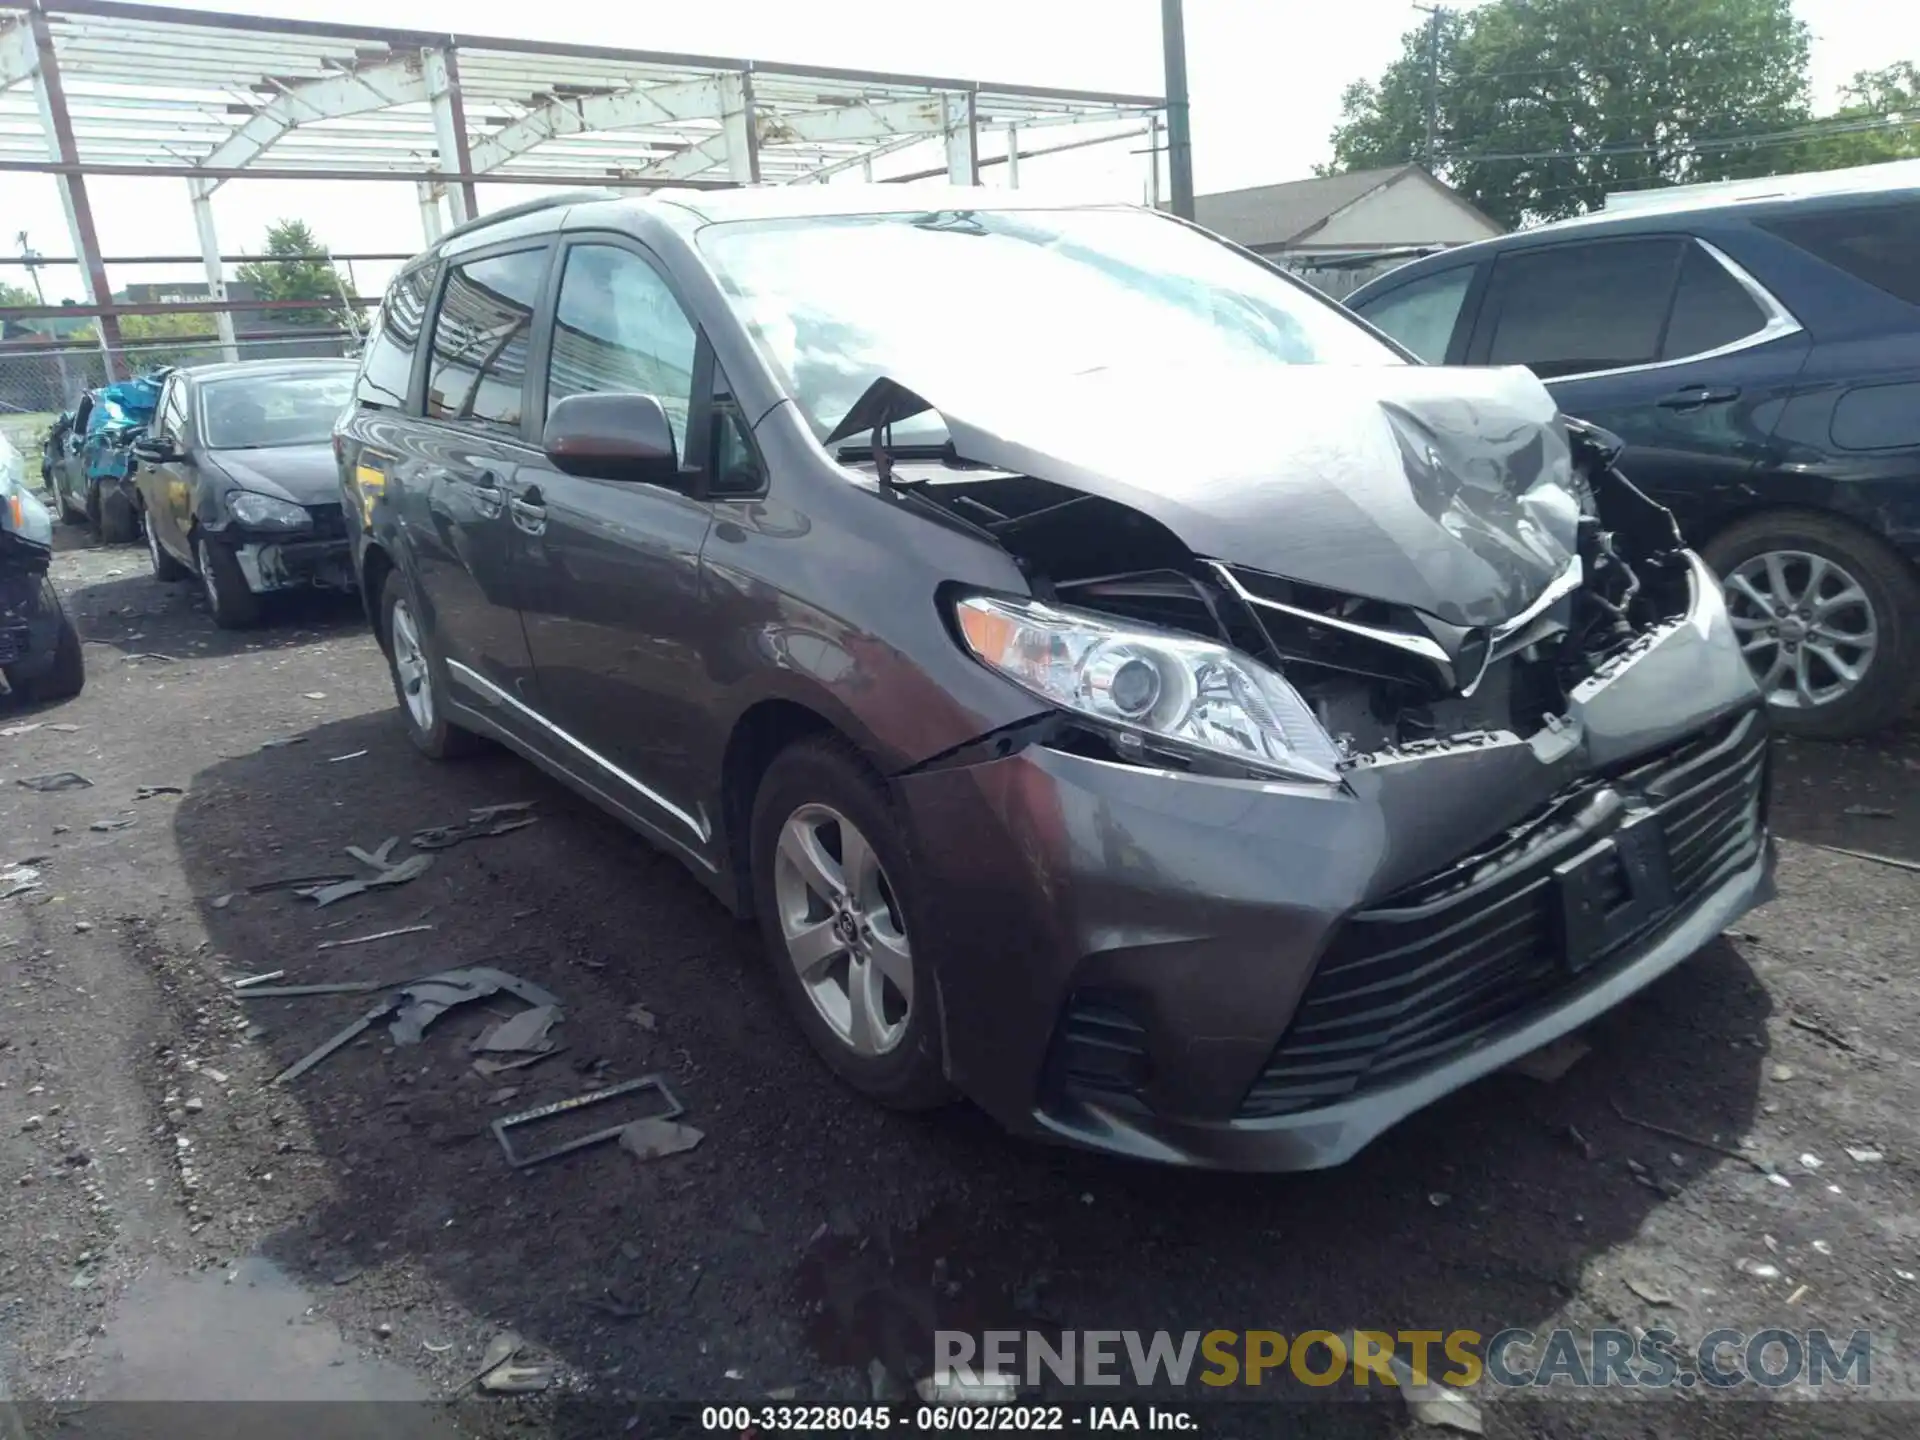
{"x": 1173, "y": 687}
{"x": 266, "y": 512}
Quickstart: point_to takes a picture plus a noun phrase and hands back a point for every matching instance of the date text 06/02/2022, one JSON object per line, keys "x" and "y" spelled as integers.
{"x": 922, "y": 1419}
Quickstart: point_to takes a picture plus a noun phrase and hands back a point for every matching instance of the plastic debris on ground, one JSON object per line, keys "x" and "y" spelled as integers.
{"x": 1552, "y": 1060}
{"x": 18, "y": 881}
{"x": 59, "y": 780}
{"x": 656, "y": 1139}
{"x": 526, "y": 1031}
{"x": 1431, "y": 1403}
{"x": 487, "y": 820}
{"x": 108, "y": 826}
{"x": 667, "y": 1107}
{"x": 368, "y": 939}
{"x": 149, "y": 792}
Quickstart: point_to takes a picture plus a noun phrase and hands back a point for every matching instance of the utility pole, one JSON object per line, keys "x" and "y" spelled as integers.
{"x": 32, "y": 257}
{"x": 1179, "y": 138}
{"x": 1433, "y": 13}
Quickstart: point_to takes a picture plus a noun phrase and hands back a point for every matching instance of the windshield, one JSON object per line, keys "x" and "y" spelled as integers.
{"x": 1019, "y": 295}
{"x": 270, "y": 410}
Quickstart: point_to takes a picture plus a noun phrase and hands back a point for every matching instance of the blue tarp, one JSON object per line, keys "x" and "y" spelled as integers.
{"x": 119, "y": 411}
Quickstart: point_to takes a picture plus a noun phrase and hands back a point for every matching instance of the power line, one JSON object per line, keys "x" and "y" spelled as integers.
{"x": 1755, "y": 139}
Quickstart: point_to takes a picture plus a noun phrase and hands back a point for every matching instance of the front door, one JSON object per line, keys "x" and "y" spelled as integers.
{"x": 166, "y": 490}
{"x": 610, "y": 571}
{"x": 1658, "y": 339}
{"x": 471, "y": 457}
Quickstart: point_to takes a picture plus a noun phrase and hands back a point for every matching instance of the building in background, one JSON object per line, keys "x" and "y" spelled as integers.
{"x": 1339, "y": 231}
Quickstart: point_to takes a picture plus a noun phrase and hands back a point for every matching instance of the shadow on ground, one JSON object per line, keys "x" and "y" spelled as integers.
{"x": 1860, "y": 794}
{"x": 812, "y": 1233}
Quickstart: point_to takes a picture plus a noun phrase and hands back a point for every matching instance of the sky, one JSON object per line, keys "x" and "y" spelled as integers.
{"x": 1265, "y": 77}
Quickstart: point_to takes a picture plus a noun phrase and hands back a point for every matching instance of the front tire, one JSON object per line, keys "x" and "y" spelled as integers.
{"x": 234, "y": 605}
{"x": 69, "y": 673}
{"x": 1827, "y": 615}
{"x": 418, "y": 681}
{"x": 833, "y": 886}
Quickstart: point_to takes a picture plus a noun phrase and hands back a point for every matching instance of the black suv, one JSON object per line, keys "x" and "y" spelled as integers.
{"x": 1761, "y": 359}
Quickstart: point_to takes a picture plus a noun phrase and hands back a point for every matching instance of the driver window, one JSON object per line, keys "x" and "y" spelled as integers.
{"x": 171, "y": 420}
{"x": 618, "y": 330}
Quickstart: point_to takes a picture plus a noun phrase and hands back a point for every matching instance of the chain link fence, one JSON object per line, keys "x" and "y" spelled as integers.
{"x": 38, "y": 381}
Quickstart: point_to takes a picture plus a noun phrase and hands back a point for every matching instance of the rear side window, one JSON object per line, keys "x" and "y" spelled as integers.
{"x": 1879, "y": 244}
{"x": 387, "y": 369}
{"x": 1422, "y": 313}
{"x": 478, "y": 368}
{"x": 172, "y": 420}
{"x": 1576, "y": 308}
{"x": 1710, "y": 309}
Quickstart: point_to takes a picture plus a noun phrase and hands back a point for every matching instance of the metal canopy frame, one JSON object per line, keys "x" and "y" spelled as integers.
{"x": 100, "y": 87}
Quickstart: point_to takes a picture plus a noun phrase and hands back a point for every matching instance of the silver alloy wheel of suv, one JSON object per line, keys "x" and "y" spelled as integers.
{"x": 1805, "y": 624}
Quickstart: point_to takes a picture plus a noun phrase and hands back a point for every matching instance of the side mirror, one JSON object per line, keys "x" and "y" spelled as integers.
{"x": 612, "y": 437}
{"x": 154, "y": 450}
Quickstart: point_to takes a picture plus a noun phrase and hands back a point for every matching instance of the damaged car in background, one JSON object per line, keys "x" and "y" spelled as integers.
{"x": 40, "y": 655}
{"x": 1127, "y": 692}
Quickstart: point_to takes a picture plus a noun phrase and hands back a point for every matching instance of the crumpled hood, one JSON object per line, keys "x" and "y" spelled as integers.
{"x": 304, "y": 474}
{"x": 1448, "y": 490}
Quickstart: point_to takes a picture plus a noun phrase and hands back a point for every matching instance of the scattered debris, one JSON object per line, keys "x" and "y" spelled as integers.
{"x": 379, "y": 859}
{"x": 350, "y": 755}
{"x": 148, "y": 792}
{"x": 1777, "y": 1178}
{"x": 517, "y": 1379}
{"x": 13, "y": 730}
{"x": 672, "y": 1110}
{"x": 1433, "y": 1403}
{"x": 332, "y": 987}
{"x": 1869, "y": 812}
{"x": 377, "y": 935}
{"x": 338, "y": 1042}
{"x": 295, "y": 882}
{"x": 1759, "y": 1269}
{"x": 426, "y": 1000}
{"x": 503, "y": 1094}
{"x": 1438, "y": 1198}
{"x": 988, "y": 1388}
{"x": 140, "y": 655}
{"x": 500, "y": 1352}
{"x": 1823, "y": 1247}
{"x": 1892, "y": 860}
{"x": 220, "y": 902}
{"x": 643, "y": 1017}
{"x": 194, "y": 1105}
{"x": 657, "y": 1139}
{"x": 259, "y": 979}
{"x": 1650, "y": 1292}
{"x": 1552, "y": 1060}
{"x": 487, "y": 820}
{"x": 411, "y": 868}
{"x": 1694, "y": 1141}
{"x": 18, "y": 881}
{"x": 489, "y": 1068}
{"x": 526, "y": 1031}
{"x": 1811, "y": 1162}
{"x": 83, "y": 927}
{"x": 1798, "y": 1295}
{"x": 315, "y": 695}
{"x": 615, "y": 1306}
{"x": 59, "y": 780}
{"x": 1782, "y": 1073}
{"x": 1825, "y": 1032}
{"x": 282, "y": 742}
{"x": 1864, "y": 1157}
{"x": 63, "y": 727}
{"x": 107, "y": 827}
{"x": 1585, "y": 1145}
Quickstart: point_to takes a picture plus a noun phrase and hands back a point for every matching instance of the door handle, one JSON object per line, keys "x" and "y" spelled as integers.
{"x": 528, "y": 517}
{"x": 1693, "y": 397}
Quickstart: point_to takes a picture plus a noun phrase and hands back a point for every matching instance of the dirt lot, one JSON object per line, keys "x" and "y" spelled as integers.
{"x": 171, "y": 1229}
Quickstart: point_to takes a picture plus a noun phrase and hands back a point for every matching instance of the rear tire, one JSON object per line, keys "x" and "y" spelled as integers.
{"x": 883, "y": 1041}
{"x": 234, "y": 605}
{"x": 166, "y": 569}
{"x": 419, "y": 679}
{"x": 1849, "y": 562}
{"x": 69, "y": 673}
{"x": 119, "y": 522}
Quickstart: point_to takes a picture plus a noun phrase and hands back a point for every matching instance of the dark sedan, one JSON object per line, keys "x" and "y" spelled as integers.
{"x": 238, "y": 486}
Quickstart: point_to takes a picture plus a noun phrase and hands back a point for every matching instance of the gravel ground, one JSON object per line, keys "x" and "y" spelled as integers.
{"x": 150, "y": 1179}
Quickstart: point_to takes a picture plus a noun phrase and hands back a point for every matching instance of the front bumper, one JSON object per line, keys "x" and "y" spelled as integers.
{"x": 1267, "y": 976}
{"x": 295, "y": 564}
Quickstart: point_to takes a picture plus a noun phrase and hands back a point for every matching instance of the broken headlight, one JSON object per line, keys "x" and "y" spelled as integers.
{"x": 1153, "y": 682}
{"x": 266, "y": 512}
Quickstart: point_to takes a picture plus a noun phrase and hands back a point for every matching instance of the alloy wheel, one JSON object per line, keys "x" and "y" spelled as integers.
{"x": 410, "y": 664}
{"x": 1805, "y": 624}
{"x": 844, "y": 930}
{"x": 209, "y": 582}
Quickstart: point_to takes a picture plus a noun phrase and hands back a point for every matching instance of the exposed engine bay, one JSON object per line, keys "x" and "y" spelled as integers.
{"x": 1501, "y": 563}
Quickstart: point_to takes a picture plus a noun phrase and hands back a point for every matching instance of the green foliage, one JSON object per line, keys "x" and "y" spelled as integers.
{"x": 1886, "y": 105}
{"x": 1546, "y": 105}
{"x": 296, "y": 279}
{"x": 14, "y": 296}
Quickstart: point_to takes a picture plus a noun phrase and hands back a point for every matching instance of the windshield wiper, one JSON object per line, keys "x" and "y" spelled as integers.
{"x": 942, "y": 451}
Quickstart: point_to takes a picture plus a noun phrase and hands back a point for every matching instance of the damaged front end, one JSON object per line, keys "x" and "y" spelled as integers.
{"x": 1508, "y": 763}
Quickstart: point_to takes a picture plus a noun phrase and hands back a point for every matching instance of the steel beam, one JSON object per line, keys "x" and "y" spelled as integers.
{"x": 19, "y": 56}
{"x": 430, "y": 223}
{"x": 355, "y": 92}
{"x": 911, "y": 120}
{"x": 179, "y": 307}
{"x": 450, "y": 129}
{"x": 1027, "y": 155}
{"x": 963, "y": 139}
{"x": 202, "y": 195}
{"x": 616, "y": 179}
{"x": 627, "y": 110}
{"x": 51, "y": 97}
{"x": 1013, "y": 157}
{"x": 738, "y": 132}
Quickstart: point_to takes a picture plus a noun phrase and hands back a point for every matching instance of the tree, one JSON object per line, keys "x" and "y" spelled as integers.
{"x": 12, "y": 297}
{"x": 1878, "y": 120}
{"x": 1543, "y": 106}
{"x": 145, "y": 337}
{"x": 296, "y": 279}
